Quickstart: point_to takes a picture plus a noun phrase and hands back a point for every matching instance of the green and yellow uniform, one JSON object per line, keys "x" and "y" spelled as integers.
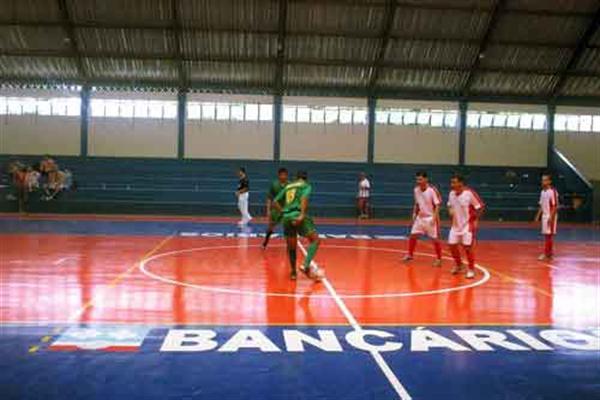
{"x": 292, "y": 196}
{"x": 274, "y": 190}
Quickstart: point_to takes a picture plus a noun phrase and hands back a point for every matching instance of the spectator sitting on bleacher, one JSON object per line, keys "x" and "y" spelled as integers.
{"x": 18, "y": 174}
{"x": 32, "y": 179}
{"x": 63, "y": 180}
{"x": 49, "y": 170}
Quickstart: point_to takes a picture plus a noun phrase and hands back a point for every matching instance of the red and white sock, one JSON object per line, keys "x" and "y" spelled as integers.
{"x": 438, "y": 249}
{"x": 548, "y": 245}
{"x": 470, "y": 257}
{"x": 412, "y": 244}
{"x": 456, "y": 255}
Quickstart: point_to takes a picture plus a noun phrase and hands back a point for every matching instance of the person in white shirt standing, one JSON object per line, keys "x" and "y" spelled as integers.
{"x": 243, "y": 194}
{"x": 548, "y": 214}
{"x": 465, "y": 208}
{"x": 426, "y": 217}
{"x": 364, "y": 195}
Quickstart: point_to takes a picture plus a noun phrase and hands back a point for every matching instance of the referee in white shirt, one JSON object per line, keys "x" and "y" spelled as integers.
{"x": 364, "y": 195}
{"x": 242, "y": 193}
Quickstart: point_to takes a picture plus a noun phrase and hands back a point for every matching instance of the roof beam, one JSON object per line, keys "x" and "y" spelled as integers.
{"x": 483, "y": 44}
{"x": 311, "y": 90}
{"x": 160, "y": 26}
{"x": 400, "y": 65}
{"x": 67, "y": 25}
{"x": 449, "y": 6}
{"x": 582, "y": 44}
{"x": 176, "y": 28}
{"x": 279, "y": 81}
{"x": 386, "y": 29}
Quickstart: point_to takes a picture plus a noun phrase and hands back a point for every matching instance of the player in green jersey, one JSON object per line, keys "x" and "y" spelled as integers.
{"x": 296, "y": 221}
{"x": 274, "y": 216}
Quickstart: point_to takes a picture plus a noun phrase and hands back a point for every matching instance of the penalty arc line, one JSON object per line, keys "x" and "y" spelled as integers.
{"x": 379, "y": 360}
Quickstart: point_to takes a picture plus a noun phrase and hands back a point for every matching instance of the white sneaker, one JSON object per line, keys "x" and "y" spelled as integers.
{"x": 470, "y": 274}
{"x": 407, "y": 258}
{"x": 437, "y": 263}
{"x": 544, "y": 257}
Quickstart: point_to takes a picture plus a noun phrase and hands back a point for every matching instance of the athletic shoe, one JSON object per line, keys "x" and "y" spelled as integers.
{"x": 293, "y": 275}
{"x": 304, "y": 270}
{"x": 437, "y": 263}
{"x": 544, "y": 257}
{"x": 407, "y": 258}
{"x": 470, "y": 274}
{"x": 457, "y": 269}
{"x": 263, "y": 246}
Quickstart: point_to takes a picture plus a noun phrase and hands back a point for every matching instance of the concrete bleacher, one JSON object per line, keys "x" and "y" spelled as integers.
{"x": 205, "y": 187}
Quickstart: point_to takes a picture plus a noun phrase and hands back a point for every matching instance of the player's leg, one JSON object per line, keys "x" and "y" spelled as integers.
{"x": 548, "y": 231}
{"x": 549, "y": 246}
{"x": 308, "y": 230}
{"x": 246, "y": 214}
{"x": 471, "y": 261}
{"x": 468, "y": 245}
{"x": 292, "y": 242}
{"x": 433, "y": 232}
{"x": 453, "y": 241}
{"x": 274, "y": 219}
{"x": 412, "y": 245}
{"x": 415, "y": 231}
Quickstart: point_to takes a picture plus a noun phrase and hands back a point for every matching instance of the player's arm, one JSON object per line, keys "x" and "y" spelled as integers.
{"x": 553, "y": 209}
{"x": 538, "y": 215}
{"x": 303, "y": 208}
{"x": 269, "y": 202}
{"x": 479, "y": 209}
{"x": 275, "y": 202}
{"x": 303, "y": 204}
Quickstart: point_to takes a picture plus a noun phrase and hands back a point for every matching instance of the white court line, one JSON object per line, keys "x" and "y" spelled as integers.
{"x": 143, "y": 266}
{"x": 63, "y": 259}
{"x": 383, "y": 365}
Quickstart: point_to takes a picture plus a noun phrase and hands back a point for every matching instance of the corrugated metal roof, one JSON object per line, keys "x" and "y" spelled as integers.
{"x": 110, "y": 68}
{"x": 431, "y": 52}
{"x": 540, "y": 29}
{"x": 331, "y": 17}
{"x": 227, "y": 73}
{"x": 428, "y": 23}
{"x": 32, "y": 38}
{"x": 228, "y": 45}
{"x": 125, "y": 41}
{"x": 441, "y": 80}
{"x": 325, "y": 75}
{"x": 51, "y": 67}
{"x": 586, "y": 86}
{"x": 528, "y": 47}
{"x": 523, "y": 57}
{"x": 121, "y": 11}
{"x": 589, "y": 61}
{"x": 30, "y": 10}
{"x": 230, "y": 14}
{"x": 502, "y": 83}
{"x": 331, "y": 48}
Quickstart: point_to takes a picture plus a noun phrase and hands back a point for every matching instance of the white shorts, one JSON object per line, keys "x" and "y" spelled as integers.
{"x": 548, "y": 230}
{"x": 465, "y": 237}
{"x": 425, "y": 226}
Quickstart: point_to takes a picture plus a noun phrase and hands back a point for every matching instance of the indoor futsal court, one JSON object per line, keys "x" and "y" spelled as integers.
{"x": 299, "y": 199}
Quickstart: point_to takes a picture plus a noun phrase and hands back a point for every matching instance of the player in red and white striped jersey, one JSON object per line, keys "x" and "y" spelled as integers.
{"x": 465, "y": 208}
{"x": 426, "y": 217}
{"x": 548, "y": 214}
